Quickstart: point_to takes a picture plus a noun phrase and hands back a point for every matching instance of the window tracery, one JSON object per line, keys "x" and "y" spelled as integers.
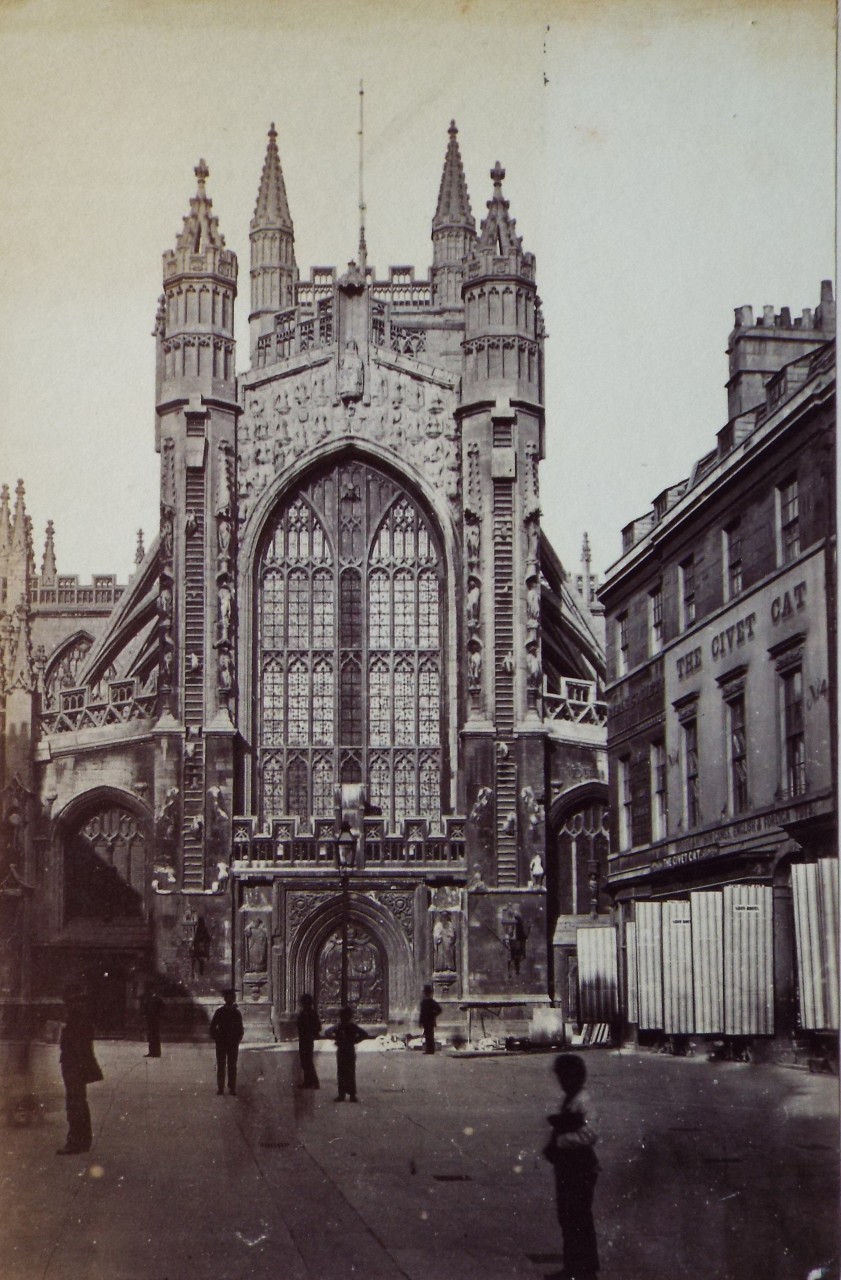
{"x": 350, "y": 650}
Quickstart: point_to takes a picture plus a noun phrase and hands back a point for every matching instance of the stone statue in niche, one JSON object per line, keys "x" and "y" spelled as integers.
{"x": 514, "y": 937}
{"x": 351, "y": 374}
{"x": 167, "y": 534}
{"x": 226, "y": 670}
{"x": 190, "y": 524}
{"x": 256, "y": 946}
{"x": 444, "y": 944}
{"x": 534, "y": 669}
{"x": 483, "y": 798}
{"x": 167, "y": 821}
{"x": 474, "y": 666}
{"x": 471, "y": 540}
{"x": 225, "y": 605}
{"x": 218, "y": 819}
{"x": 474, "y": 596}
{"x": 532, "y": 812}
{"x": 533, "y": 602}
{"x": 532, "y": 523}
{"x": 537, "y": 872}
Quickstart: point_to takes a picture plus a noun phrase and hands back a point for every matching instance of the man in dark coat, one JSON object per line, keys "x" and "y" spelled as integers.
{"x": 152, "y": 1004}
{"x": 309, "y": 1029}
{"x": 429, "y": 1011}
{"x": 347, "y": 1036}
{"x": 226, "y": 1030}
{"x": 79, "y": 1068}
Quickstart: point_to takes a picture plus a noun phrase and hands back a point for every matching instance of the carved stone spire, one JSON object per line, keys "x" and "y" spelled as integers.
{"x": 274, "y": 271}
{"x": 453, "y": 208}
{"x": 497, "y": 234}
{"x": 49, "y": 570}
{"x": 453, "y": 227}
{"x": 201, "y": 227}
{"x": 5, "y": 525}
{"x": 272, "y": 209}
{"x": 18, "y": 538}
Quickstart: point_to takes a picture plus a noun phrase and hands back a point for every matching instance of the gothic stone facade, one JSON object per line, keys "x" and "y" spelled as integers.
{"x": 349, "y": 614}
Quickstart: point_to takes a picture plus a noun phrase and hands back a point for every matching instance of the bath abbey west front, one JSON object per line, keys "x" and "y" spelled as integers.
{"x": 348, "y": 706}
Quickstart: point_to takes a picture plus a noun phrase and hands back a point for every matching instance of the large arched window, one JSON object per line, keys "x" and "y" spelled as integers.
{"x": 350, "y": 624}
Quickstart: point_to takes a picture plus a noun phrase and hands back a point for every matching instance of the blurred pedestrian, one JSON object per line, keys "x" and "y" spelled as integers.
{"x": 570, "y": 1151}
{"x": 226, "y": 1030}
{"x": 429, "y": 1012}
{"x": 309, "y": 1029}
{"x": 152, "y": 1007}
{"x": 79, "y": 1068}
{"x": 347, "y": 1036}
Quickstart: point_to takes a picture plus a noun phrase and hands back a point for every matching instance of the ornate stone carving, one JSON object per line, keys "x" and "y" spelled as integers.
{"x": 401, "y": 906}
{"x": 256, "y": 945}
{"x": 301, "y": 905}
{"x": 483, "y": 799}
{"x": 532, "y": 494}
{"x": 219, "y": 823}
{"x": 389, "y": 406}
{"x": 444, "y": 946}
{"x": 167, "y": 820}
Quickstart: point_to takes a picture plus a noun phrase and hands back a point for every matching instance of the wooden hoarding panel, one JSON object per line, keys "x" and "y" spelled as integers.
{"x": 678, "y": 1016}
{"x": 748, "y": 960}
{"x": 649, "y": 965}
{"x": 708, "y": 961}
{"x": 597, "y": 974}
{"x": 828, "y": 898}
{"x": 804, "y": 890}
{"x": 631, "y": 971}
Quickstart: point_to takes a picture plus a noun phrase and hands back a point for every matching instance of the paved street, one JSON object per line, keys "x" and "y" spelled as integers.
{"x": 725, "y": 1171}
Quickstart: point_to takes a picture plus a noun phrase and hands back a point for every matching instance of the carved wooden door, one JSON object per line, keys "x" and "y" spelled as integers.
{"x": 366, "y": 982}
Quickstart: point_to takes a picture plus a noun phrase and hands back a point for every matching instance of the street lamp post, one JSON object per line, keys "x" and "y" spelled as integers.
{"x": 345, "y": 857}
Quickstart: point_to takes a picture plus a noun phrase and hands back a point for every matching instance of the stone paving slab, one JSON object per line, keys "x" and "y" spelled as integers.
{"x": 725, "y": 1171}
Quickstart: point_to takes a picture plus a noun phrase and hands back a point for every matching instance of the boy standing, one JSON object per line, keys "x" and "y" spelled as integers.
{"x": 347, "y": 1036}
{"x": 429, "y": 1011}
{"x": 227, "y": 1030}
{"x": 570, "y": 1151}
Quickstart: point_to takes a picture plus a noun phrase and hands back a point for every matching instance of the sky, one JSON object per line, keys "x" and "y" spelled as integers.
{"x": 666, "y": 162}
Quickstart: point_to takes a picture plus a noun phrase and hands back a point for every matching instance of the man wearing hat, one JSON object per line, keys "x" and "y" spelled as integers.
{"x": 79, "y": 1068}
{"x": 226, "y": 1030}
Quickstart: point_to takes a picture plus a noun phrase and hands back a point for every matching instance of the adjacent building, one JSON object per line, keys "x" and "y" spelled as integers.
{"x": 722, "y": 710}
{"x": 349, "y": 621}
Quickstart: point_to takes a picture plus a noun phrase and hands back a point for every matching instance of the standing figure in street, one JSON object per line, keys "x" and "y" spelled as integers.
{"x": 226, "y": 1030}
{"x": 152, "y": 1006}
{"x": 570, "y": 1151}
{"x": 347, "y": 1036}
{"x": 309, "y": 1029}
{"x": 429, "y": 1011}
{"x": 79, "y": 1068}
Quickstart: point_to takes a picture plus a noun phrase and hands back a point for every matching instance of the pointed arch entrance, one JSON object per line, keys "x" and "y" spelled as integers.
{"x": 381, "y": 969}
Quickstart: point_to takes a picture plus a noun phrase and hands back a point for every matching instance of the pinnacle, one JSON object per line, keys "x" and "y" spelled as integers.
{"x": 453, "y": 200}
{"x": 201, "y": 226}
{"x": 497, "y": 233}
{"x": 272, "y": 209}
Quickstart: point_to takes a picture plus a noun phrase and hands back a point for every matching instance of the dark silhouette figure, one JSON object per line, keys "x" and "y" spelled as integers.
{"x": 152, "y": 1006}
{"x": 226, "y": 1030}
{"x": 79, "y": 1068}
{"x": 570, "y": 1151}
{"x": 429, "y": 1012}
{"x": 309, "y": 1029}
{"x": 347, "y": 1036}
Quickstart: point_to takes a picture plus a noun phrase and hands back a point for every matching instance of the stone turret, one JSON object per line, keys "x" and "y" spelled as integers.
{"x": 453, "y": 228}
{"x": 758, "y": 348}
{"x": 197, "y": 411}
{"x": 274, "y": 271}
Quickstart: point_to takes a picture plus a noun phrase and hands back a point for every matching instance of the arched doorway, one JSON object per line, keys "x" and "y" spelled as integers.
{"x": 367, "y": 975}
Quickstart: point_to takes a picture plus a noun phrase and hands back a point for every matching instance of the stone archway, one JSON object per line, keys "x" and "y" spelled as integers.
{"x": 382, "y": 955}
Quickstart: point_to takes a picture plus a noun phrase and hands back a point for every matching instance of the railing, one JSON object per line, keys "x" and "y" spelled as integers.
{"x": 285, "y": 845}
{"x": 576, "y": 703}
{"x": 77, "y": 710}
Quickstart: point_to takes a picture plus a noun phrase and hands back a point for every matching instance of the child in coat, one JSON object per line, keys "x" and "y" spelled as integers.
{"x": 570, "y": 1151}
